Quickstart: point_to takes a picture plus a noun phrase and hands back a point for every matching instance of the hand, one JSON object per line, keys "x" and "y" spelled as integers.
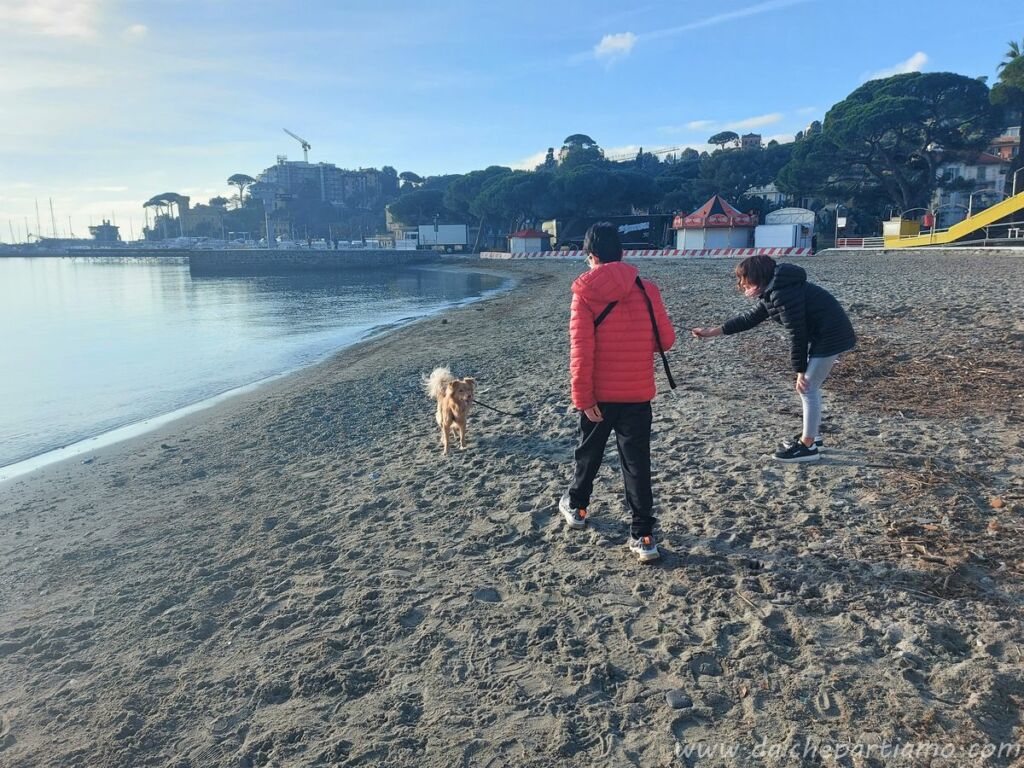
{"x": 706, "y": 333}
{"x": 593, "y": 413}
{"x": 802, "y": 385}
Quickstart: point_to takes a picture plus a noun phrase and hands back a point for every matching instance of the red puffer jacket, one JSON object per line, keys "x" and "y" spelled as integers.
{"x": 614, "y": 363}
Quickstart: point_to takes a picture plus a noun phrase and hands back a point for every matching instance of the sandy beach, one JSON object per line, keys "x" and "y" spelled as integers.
{"x": 297, "y": 577}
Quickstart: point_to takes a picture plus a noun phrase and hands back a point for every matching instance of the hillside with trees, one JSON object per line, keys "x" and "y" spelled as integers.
{"x": 877, "y": 150}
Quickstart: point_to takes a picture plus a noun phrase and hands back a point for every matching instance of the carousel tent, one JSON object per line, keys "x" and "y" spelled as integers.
{"x": 716, "y": 224}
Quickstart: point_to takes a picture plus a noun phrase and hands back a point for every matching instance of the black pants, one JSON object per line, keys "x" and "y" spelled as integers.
{"x": 632, "y": 425}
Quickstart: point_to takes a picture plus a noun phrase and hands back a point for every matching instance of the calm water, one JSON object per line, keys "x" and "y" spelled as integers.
{"x": 89, "y": 346}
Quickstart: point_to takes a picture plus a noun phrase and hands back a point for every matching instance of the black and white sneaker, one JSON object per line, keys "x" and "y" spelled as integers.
{"x": 575, "y": 517}
{"x": 797, "y": 453}
{"x": 819, "y": 442}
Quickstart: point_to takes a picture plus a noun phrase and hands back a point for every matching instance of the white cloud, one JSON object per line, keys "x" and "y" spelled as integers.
{"x": 32, "y": 75}
{"x": 915, "y": 63}
{"x": 136, "y": 32}
{"x": 615, "y": 46}
{"x": 759, "y": 121}
{"x": 807, "y": 111}
{"x": 111, "y": 188}
{"x": 723, "y": 18}
{"x": 746, "y": 124}
{"x": 50, "y": 18}
{"x": 530, "y": 162}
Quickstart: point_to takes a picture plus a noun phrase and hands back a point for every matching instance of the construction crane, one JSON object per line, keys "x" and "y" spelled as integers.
{"x": 632, "y": 155}
{"x": 305, "y": 144}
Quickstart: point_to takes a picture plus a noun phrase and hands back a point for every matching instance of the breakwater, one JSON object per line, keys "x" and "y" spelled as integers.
{"x": 267, "y": 262}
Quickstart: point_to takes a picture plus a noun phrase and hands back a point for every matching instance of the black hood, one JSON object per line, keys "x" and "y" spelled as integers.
{"x": 788, "y": 276}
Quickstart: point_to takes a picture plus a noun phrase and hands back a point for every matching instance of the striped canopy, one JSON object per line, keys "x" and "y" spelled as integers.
{"x": 715, "y": 213}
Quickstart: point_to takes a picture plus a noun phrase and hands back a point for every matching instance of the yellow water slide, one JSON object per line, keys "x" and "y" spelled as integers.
{"x": 968, "y": 226}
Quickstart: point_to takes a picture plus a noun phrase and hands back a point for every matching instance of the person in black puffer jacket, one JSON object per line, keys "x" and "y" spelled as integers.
{"x": 819, "y": 332}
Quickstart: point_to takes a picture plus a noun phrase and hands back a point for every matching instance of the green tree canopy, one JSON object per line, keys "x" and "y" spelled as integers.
{"x": 1013, "y": 51}
{"x": 731, "y": 174}
{"x": 410, "y": 179}
{"x": 511, "y": 199}
{"x": 388, "y": 182}
{"x": 893, "y": 133}
{"x": 241, "y": 181}
{"x": 723, "y": 138}
{"x": 463, "y": 191}
{"x": 418, "y": 206}
{"x": 1008, "y": 97}
{"x": 578, "y": 141}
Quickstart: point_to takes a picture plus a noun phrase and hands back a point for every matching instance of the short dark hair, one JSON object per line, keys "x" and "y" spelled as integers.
{"x": 602, "y": 240}
{"x": 756, "y": 269}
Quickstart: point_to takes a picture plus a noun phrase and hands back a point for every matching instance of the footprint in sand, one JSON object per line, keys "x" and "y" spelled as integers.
{"x": 824, "y": 704}
{"x": 6, "y": 737}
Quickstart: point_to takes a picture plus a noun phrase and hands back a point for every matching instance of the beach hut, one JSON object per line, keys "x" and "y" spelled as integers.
{"x": 716, "y": 224}
{"x": 528, "y": 241}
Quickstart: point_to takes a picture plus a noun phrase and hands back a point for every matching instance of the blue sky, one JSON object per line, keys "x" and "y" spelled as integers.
{"x": 106, "y": 103}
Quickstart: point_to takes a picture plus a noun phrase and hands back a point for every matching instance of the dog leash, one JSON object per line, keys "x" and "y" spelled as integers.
{"x": 498, "y": 410}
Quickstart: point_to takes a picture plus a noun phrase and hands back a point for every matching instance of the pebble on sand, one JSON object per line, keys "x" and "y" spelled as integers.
{"x": 677, "y": 699}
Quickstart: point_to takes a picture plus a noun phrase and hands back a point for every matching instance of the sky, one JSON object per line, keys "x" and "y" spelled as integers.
{"x": 105, "y": 103}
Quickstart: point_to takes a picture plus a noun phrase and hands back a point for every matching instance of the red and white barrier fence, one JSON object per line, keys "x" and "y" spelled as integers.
{"x": 688, "y": 253}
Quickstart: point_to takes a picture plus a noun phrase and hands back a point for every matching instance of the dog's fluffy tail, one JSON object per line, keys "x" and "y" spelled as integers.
{"x": 436, "y": 382}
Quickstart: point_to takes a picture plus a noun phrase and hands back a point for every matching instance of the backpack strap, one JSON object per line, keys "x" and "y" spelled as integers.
{"x": 654, "y": 325}
{"x": 600, "y": 318}
{"x": 657, "y": 336}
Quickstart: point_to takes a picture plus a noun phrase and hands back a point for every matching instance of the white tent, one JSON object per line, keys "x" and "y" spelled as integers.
{"x": 791, "y": 216}
{"x": 786, "y": 228}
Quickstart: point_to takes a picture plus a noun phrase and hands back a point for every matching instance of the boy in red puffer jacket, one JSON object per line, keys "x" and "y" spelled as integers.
{"x": 611, "y": 360}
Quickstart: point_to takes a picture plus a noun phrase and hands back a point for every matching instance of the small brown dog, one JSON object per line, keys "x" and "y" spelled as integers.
{"x": 454, "y": 397}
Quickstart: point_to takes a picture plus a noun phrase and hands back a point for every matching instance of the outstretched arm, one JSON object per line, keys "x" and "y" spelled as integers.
{"x": 747, "y": 320}
{"x": 706, "y": 333}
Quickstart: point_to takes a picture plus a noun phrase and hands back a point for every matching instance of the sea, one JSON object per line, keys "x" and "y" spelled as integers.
{"x": 93, "y": 350}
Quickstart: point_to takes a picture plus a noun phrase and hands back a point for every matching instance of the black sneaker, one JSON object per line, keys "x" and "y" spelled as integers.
{"x": 797, "y": 453}
{"x": 819, "y": 442}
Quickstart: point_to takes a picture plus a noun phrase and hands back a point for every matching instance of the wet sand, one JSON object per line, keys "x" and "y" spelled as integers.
{"x": 297, "y": 577}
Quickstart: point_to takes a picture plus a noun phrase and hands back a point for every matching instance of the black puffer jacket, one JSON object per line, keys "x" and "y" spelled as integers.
{"x": 817, "y": 325}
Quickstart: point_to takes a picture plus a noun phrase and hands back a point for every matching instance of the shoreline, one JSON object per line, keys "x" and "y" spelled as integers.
{"x": 298, "y": 577}
{"x": 88, "y": 444}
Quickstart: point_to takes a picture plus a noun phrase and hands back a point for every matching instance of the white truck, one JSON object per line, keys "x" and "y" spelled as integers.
{"x": 443, "y": 237}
